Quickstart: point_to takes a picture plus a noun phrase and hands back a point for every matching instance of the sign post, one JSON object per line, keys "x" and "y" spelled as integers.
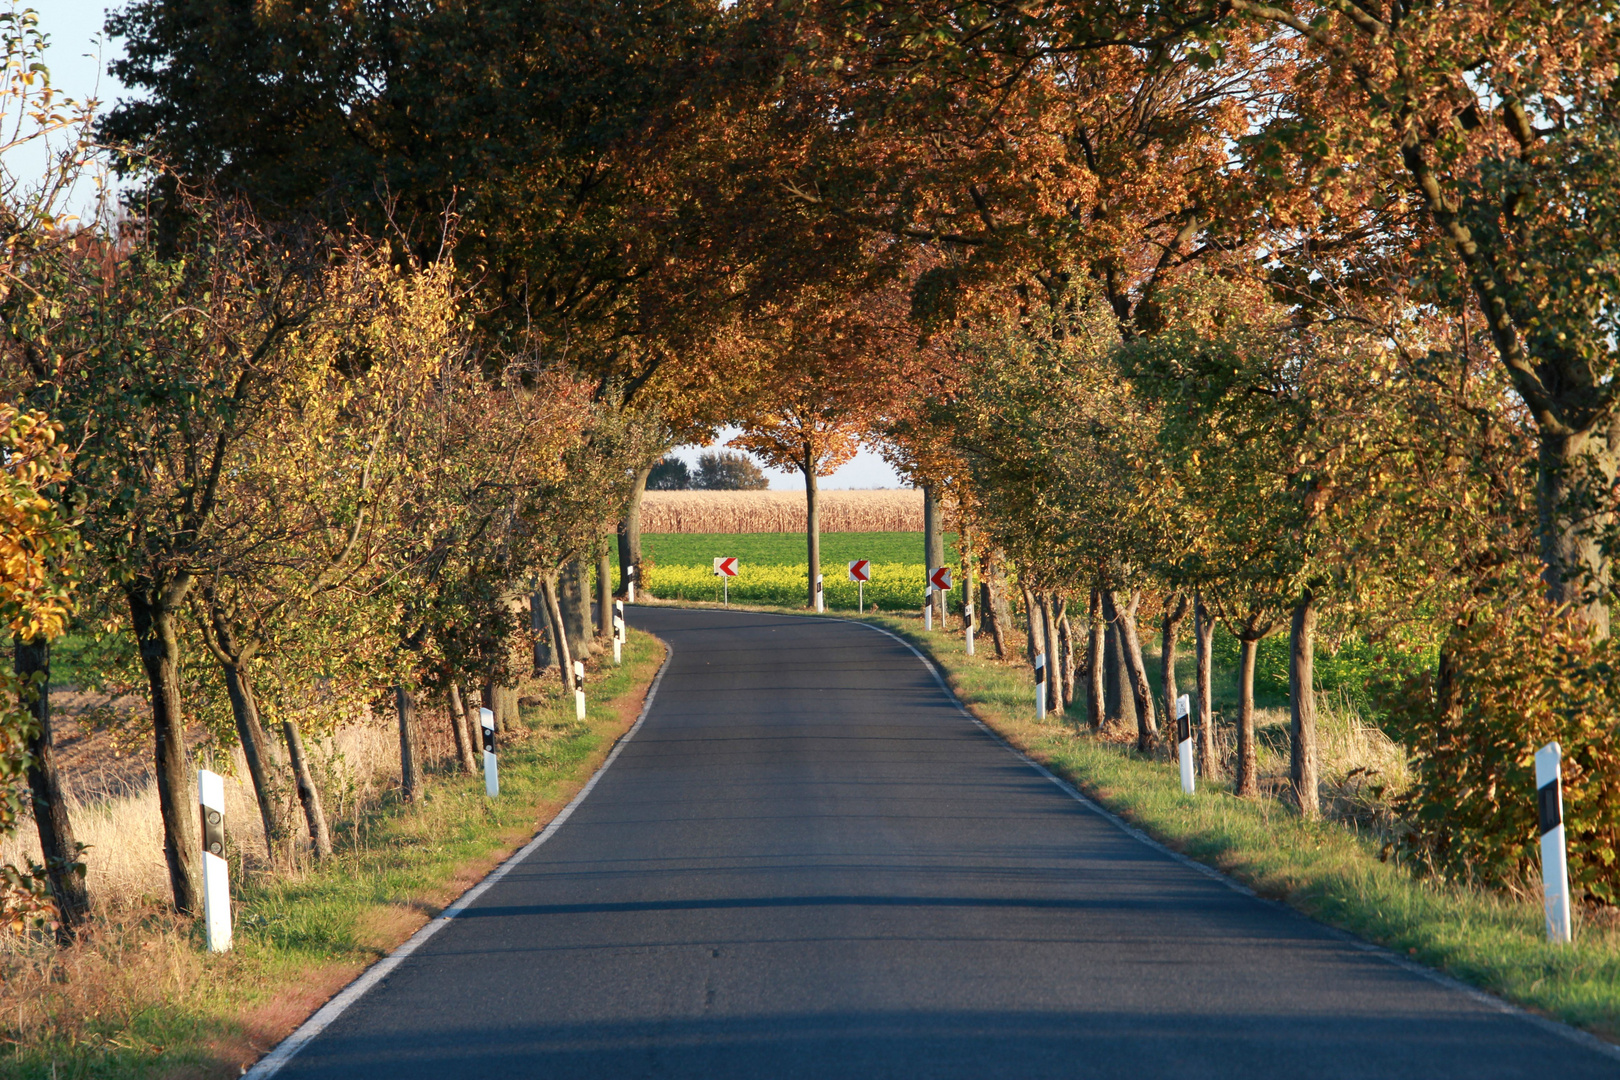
{"x": 860, "y": 572}
{"x": 725, "y": 569}
{"x": 579, "y": 689}
{"x": 216, "y": 871}
{"x": 1040, "y": 686}
{"x": 492, "y": 778}
{"x": 1554, "y": 861}
{"x": 820, "y": 606}
{"x": 939, "y": 580}
{"x": 618, "y": 632}
{"x": 1184, "y": 746}
{"x": 630, "y": 583}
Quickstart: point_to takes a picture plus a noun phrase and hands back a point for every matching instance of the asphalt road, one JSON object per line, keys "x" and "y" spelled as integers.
{"x": 808, "y": 863}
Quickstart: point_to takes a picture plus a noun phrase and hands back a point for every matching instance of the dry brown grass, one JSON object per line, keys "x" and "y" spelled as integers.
{"x": 898, "y": 510}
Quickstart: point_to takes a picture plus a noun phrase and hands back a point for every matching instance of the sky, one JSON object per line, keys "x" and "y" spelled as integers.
{"x": 77, "y": 57}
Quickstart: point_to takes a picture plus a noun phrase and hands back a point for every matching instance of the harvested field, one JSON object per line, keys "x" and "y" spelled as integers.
{"x": 897, "y": 510}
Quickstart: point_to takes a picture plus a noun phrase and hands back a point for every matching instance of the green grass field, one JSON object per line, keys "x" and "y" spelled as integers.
{"x": 786, "y": 549}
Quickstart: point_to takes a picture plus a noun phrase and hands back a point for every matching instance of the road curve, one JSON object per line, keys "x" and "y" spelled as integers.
{"x": 809, "y": 863}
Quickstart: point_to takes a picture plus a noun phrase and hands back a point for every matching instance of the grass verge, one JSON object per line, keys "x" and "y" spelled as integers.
{"x": 1325, "y": 869}
{"x": 140, "y": 997}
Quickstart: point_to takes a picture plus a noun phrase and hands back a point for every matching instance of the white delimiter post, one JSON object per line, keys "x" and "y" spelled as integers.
{"x": 819, "y": 605}
{"x": 630, "y": 583}
{"x": 216, "y": 872}
{"x": 492, "y": 776}
{"x": 1554, "y": 864}
{"x": 928, "y": 607}
{"x": 579, "y": 689}
{"x": 618, "y": 632}
{"x": 967, "y": 616}
{"x": 1184, "y": 746}
{"x": 1040, "y": 686}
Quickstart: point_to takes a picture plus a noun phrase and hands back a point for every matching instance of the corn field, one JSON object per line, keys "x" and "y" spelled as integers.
{"x": 899, "y": 510}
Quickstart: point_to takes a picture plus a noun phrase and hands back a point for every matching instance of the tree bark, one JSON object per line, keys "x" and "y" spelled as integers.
{"x": 410, "y": 762}
{"x": 933, "y": 548}
{"x": 630, "y": 530}
{"x": 308, "y": 796}
{"x": 540, "y": 629}
{"x": 1248, "y": 777}
{"x": 1034, "y": 641}
{"x": 576, "y": 611}
{"x": 812, "y": 529}
{"x": 155, "y": 632}
{"x": 1065, "y": 633}
{"x": 1204, "y": 647}
{"x": 64, "y": 870}
{"x": 1573, "y": 470}
{"x": 604, "y": 593}
{"x": 559, "y": 639}
{"x": 459, "y": 729}
{"x": 1147, "y": 731}
{"x": 993, "y": 593}
{"x": 1096, "y": 646}
{"x": 1302, "y": 706}
{"x": 1169, "y": 629}
{"x": 1054, "y": 682}
{"x": 1119, "y": 698}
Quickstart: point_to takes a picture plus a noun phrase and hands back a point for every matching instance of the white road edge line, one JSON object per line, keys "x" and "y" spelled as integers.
{"x": 285, "y": 1050}
{"x": 1553, "y": 1027}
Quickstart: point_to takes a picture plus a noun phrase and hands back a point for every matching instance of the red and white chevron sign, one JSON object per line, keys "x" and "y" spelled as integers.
{"x": 941, "y": 578}
{"x": 726, "y": 567}
{"x": 860, "y": 570}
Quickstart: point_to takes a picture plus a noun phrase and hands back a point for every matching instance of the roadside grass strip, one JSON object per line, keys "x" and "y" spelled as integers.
{"x": 1326, "y": 869}
{"x": 301, "y": 938}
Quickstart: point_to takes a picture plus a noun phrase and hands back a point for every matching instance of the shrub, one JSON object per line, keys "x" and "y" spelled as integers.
{"x": 1526, "y": 677}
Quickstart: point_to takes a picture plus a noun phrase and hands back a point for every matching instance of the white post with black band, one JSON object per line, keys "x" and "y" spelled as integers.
{"x": 618, "y": 632}
{"x": 928, "y": 607}
{"x": 579, "y": 689}
{"x": 1554, "y": 861}
{"x": 1040, "y": 686}
{"x": 820, "y": 604}
{"x": 967, "y": 619}
{"x": 216, "y": 871}
{"x": 630, "y": 583}
{"x": 1184, "y": 742}
{"x": 492, "y": 776}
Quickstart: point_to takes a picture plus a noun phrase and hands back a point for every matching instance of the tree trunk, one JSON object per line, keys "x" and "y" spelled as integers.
{"x": 1204, "y": 647}
{"x": 812, "y": 530}
{"x": 1169, "y": 629}
{"x": 1302, "y": 705}
{"x": 460, "y": 730}
{"x": 1054, "y": 688}
{"x": 540, "y": 629}
{"x": 565, "y": 660}
{"x": 263, "y": 763}
{"x": 630, "y": 530}
{"x": 576, "y": 610}
{"x": 604, "y": 593}
{"x": 933, "y": 549}
{"x": 1096, "y": 646}
{"x": 410, "y": 763}
{"x": 1147, "y": 731}
{"x": 1120, "y": 702}
{"x": 1034, "y": 642}
{"x": 1248, "y": 777}
{"x": 993, "y": 594}
{"x": 155, "y": 633}
{"x": 64, "y": 871}
{"x": 308, "y": 796}
{"x": 1065, "y": 633}
{"x": 1573, "y": 470}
